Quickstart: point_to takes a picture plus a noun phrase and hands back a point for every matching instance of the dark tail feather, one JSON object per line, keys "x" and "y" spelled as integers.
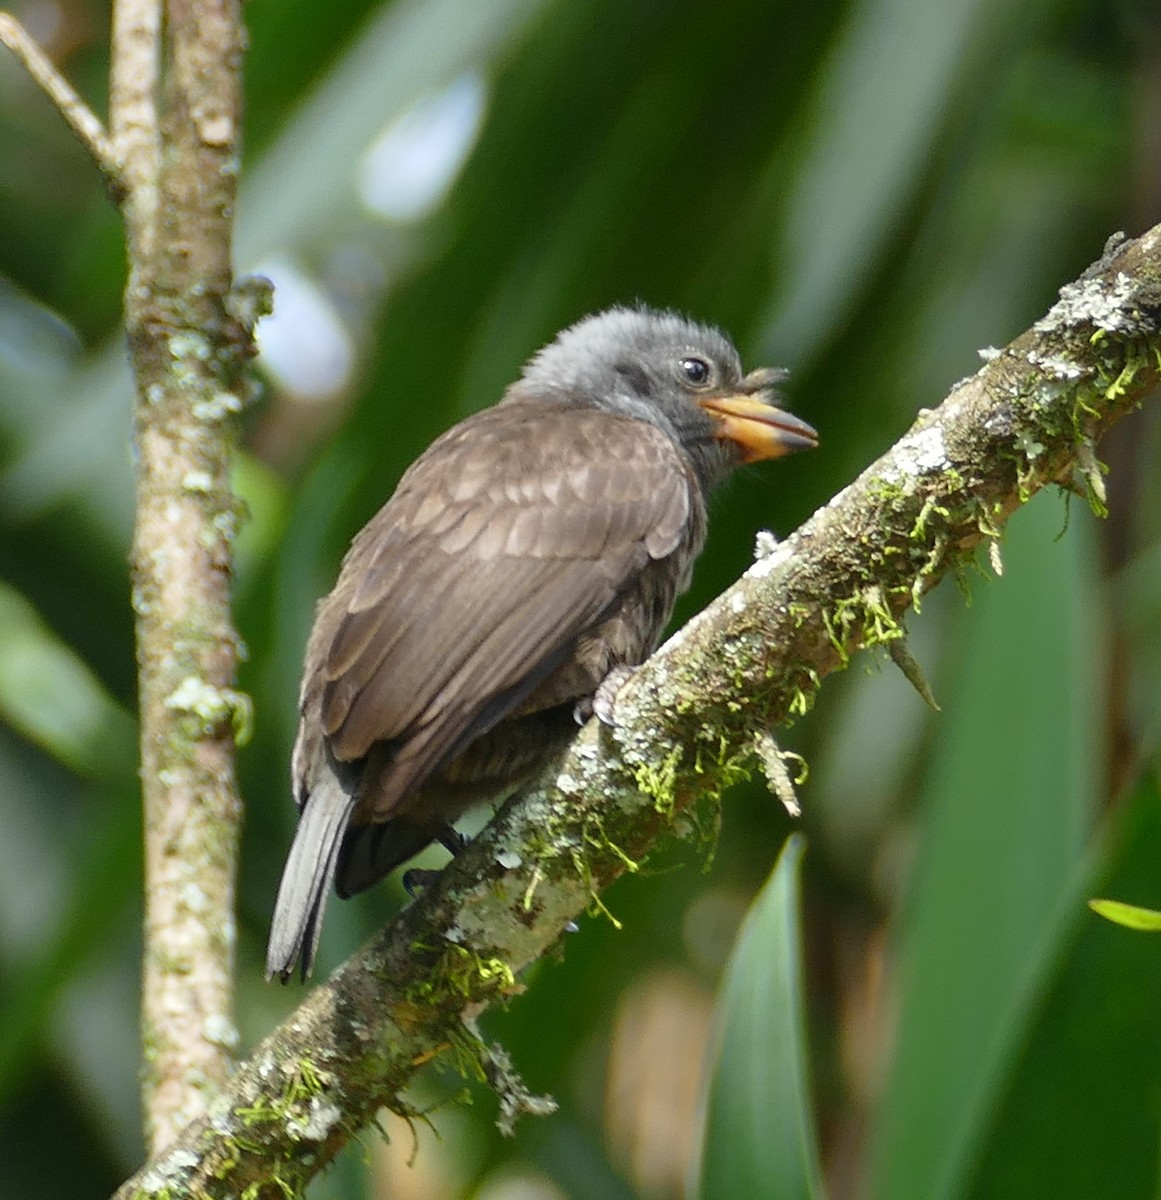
{"x": 370, "y": 852}
{"x": 306, "y": 880}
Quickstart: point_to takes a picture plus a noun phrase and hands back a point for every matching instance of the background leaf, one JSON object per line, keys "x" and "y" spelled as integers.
{"x": 758, "y": 1137}
{"x": 1011, "y": 788}
{"x": 1147, "y": 920}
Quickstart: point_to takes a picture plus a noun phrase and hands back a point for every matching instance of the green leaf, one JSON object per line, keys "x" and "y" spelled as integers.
{"x": 758, "y": 1138}
{"x": 1079, "y": 1112}
{"x": 1008, "y": 804}
{"x": 52, "y": 697}
{"x": 1129, "y": 915}
{"x": 876, "y": 108}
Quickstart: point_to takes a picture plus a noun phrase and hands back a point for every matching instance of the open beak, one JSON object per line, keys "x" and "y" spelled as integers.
{"x": 758, "y": 429}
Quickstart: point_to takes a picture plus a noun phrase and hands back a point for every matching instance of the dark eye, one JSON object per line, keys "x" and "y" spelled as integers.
{"x": 696, "y": 371}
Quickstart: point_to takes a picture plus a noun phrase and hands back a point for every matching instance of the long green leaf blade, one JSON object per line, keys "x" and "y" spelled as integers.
{"x": 759, "y": 1141}
{"x": 1009, "y": 802}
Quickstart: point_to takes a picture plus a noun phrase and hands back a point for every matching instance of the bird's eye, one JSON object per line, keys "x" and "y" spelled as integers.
{"x": 696, "y": 371}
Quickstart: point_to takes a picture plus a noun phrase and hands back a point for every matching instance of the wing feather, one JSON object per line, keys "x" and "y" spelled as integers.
{"x": 513, "y": 535}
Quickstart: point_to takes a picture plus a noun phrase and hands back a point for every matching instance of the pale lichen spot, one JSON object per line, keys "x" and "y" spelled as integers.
{"x": 1056, "y": 366}
{"x": 1096, "y": 302}
{"x": 219, "y": 1030}
{"x": 198, "y": 481}
{"x": 212, "y": 706}
{"x": 194, "y": 898}
{"x": 157, "y": 1178}
{"x": 923, "y": 452}
{"x": 194, "y": 695}
{"x": 218, "y": 406}
{"x": 217, "y": 129}
{"x": 190, "y": 345}
{"x": 765, "y": 543}
{"x": 779, "y": 554}
{"x": 323, "y": 1116}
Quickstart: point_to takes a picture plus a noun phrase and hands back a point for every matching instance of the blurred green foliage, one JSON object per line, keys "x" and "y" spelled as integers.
{"x": 759, "y": 1058}
{"x": 867, "y": 192}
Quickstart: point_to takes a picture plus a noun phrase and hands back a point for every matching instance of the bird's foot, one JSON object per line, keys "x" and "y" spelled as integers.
{"x": 451, "y": 840}
{"x": 600, "y": 703}
{"x": 415, "y": 880}
{"x": 418, "y": 878}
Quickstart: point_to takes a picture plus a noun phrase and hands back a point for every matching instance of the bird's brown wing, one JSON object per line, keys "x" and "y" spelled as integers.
{"x": 514, "y": 533}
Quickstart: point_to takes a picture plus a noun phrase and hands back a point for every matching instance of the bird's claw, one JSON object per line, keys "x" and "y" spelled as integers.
{"x": 600, "y": 703}
{"x": 418, "y": 878}
{"x": 415, "y": 880}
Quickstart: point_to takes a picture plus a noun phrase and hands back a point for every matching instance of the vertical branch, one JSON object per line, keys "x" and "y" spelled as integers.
{"x": 188, "y": 356}
{"x": 134, "y": 122}
{"x": 171, "y": 161}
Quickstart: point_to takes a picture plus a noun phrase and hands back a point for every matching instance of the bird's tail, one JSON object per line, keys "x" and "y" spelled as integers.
{"x": 307, "y": 878}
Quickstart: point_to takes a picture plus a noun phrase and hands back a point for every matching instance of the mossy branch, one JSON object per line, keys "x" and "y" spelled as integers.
{"x": 687, "y": 719}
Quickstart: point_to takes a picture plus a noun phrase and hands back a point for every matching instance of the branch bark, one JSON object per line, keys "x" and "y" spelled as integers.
{"x": 687, "y": 723}
{"x": 188, "y": 351}
{"x": 171, "y": 163}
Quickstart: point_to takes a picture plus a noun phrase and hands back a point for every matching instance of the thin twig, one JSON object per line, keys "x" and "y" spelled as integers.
{"x": 80, "y": 117}
{"x": 684, "y": 722}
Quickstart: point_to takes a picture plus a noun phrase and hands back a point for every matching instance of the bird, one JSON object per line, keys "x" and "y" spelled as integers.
{"x": 532, "y": 554}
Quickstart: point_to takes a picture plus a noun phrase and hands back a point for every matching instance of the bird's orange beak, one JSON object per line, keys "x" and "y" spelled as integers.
{"x": 758, "y": 429}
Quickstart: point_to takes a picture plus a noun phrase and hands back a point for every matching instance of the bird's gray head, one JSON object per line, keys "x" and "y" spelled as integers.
{"x": 683, "y": 377}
